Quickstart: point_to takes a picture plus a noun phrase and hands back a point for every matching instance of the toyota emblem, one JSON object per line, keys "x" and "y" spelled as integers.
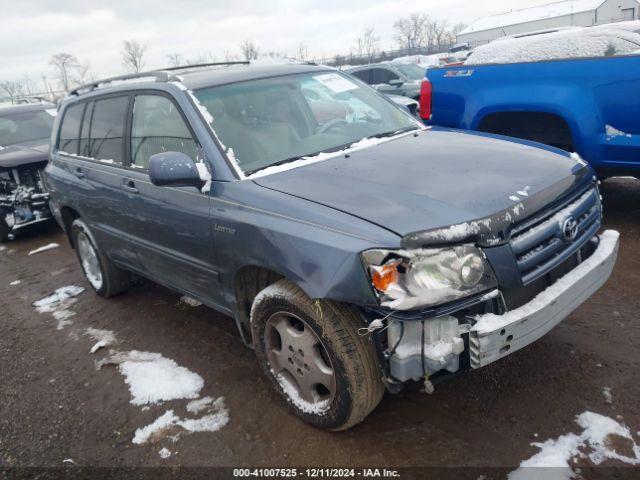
{"x": 570, "y": 229}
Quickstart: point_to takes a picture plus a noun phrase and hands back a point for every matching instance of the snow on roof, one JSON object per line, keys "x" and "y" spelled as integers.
{"x": 525, "y": 15}
{"x": 574, "y": 43}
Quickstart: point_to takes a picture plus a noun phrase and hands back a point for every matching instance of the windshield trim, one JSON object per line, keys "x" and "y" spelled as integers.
{"x": 362, "y": 144}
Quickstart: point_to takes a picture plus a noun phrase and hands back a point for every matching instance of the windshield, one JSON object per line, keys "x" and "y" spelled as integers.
{"x": 278, "y": 120}
{"x": 412, "y": 72}
{"x": 25, "y": 127}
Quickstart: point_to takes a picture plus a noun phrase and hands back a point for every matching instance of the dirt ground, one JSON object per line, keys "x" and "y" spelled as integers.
{"x": 55, "y": 404}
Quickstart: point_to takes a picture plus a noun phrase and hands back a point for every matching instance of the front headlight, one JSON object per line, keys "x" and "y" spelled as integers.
{"x": 409, "y": 279}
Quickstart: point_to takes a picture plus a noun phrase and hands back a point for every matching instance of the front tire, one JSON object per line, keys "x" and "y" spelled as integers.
{"x": 104, "y": 277}
{"x": 312, "y": 354}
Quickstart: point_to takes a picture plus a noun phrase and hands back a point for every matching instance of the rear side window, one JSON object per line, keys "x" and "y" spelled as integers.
{"x": 70, "y": 129}
{"x": 382, "y": 75}
{"x": 362, "y": 75}
{"x": 107, "y": 129}
{"x": 158, "y": 127}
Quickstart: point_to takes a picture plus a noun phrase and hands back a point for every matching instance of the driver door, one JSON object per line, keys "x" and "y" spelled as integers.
{"x": 171, "y": 224}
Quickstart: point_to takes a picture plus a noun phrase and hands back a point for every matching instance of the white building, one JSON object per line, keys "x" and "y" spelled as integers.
{"x": 579, "y": 13}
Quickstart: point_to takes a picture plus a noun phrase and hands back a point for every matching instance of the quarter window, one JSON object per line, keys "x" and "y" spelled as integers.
{"x": 107, "y": 129}
{"x": 158, "y": 127}
{"x": 70, "y": 129}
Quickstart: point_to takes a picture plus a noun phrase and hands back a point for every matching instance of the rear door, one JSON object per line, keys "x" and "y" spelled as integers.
{"x": 94, "y": 156}
{"x": 171, "y": 225}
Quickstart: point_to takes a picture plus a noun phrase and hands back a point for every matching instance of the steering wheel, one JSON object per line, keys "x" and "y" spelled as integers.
{"x": 331, "y": 124}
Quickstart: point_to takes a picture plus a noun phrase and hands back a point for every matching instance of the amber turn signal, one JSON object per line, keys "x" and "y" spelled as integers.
{"x": 383, "y": 276}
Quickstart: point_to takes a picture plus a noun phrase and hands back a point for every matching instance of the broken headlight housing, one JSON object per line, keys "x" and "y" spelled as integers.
{"x": 410, "y": 279}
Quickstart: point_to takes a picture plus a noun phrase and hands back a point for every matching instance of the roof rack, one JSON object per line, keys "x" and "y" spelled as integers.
{"x": 159, "y": 75}
{"x": 200, "y": 65}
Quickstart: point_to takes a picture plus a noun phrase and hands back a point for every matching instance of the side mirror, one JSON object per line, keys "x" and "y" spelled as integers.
{"x": 173, "y": 169}
{"x": 396, "y": 82}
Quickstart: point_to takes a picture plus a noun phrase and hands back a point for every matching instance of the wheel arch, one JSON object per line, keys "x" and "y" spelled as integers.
{"x": 69, "y": 215}
{"x": 544, "y": 126}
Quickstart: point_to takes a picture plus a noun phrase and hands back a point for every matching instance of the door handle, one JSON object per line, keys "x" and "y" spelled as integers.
{"x": 129, "y": 185}
{"x": 78, "y": 172}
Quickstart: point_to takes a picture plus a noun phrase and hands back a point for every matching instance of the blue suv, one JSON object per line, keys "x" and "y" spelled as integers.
{"x": 356, "y": 249}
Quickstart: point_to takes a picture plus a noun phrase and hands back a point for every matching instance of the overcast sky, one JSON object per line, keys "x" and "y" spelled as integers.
{"x": 33, "y": 30}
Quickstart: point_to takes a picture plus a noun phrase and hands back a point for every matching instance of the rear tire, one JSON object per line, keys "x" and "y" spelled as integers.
{"x": 326, "y": 347}
{"x": 104, "y": 277}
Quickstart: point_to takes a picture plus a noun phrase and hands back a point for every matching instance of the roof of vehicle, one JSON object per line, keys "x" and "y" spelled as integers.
{"x": 370, "y": 65}
{"x": 565, "y": 43}
{"x": 25, "y": 107}
{"x": 240, "y": 73}
{"x": 195, "y": 77}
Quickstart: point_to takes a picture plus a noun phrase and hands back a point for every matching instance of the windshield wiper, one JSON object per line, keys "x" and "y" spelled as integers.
{"x": 393, "y": 133}
{"x": 308, "y": 156}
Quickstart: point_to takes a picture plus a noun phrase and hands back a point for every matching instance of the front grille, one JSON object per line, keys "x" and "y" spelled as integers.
{"x": 546, "y": 241}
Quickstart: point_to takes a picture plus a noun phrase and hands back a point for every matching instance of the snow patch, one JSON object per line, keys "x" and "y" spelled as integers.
{"x": 164, "y": 453}
{"x": 196, "y": 406}
{"x": 217, "y": 418}
{"x": 596, "y": 442}
{"x": 57, "y": 304}
{"x": 317, "y": 408}
{"x": 104, "y": 338}
{"x": 44, "y": 248}
{"x": 192, "y": 302}
{"x": 153, "y": 378}
{"x": 614, "y": 132}
{"x": 608, "y": 397}
{"x": 15, "y": 282}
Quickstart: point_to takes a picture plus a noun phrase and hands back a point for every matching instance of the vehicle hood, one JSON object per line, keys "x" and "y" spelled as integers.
{"x": 14, "y": 156}
{"x": 435, "y": 179}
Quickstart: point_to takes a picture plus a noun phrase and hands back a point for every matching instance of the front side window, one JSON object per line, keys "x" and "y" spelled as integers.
{"x": 70, "y": 129}
{"x": 278, "y": 120}
{"x": 107, "y": 129}
{"x": 158, "y": 127}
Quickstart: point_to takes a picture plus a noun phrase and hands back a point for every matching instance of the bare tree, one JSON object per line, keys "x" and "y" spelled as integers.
{"x": 64, "y": 64}
{"x": 249, "y": 50}
{"x": 133, "y": 55}
{"x": 438, "y": 33}
{"x": 411, "y": 32}
{"x": 11, "y": 89}
{"x": 229, "y": 57}
{"x": 175, "y": 60}
{"x": 367, "y": 43}
{"x": 303, "y": 52}
{"x": 458, "y": 27}
{"x": 85, "y": 75}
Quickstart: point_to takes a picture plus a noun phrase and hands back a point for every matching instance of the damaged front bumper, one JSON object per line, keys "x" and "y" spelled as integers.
{"x": 495, "y": 336}
{"x": 418, "y": 349}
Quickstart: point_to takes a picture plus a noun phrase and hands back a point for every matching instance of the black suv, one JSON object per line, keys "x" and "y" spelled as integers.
{"x": 24, "y": 152}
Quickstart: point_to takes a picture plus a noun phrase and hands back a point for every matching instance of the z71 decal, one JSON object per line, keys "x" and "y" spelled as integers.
{"x": 458, "y": 73}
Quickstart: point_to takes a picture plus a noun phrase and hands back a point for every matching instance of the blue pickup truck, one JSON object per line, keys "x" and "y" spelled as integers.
{"x": 514, "y": 87}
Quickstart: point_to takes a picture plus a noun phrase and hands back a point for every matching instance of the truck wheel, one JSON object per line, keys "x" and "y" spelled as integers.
{"x": 312, "y": 354}
{"x": 104, "y": 277}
